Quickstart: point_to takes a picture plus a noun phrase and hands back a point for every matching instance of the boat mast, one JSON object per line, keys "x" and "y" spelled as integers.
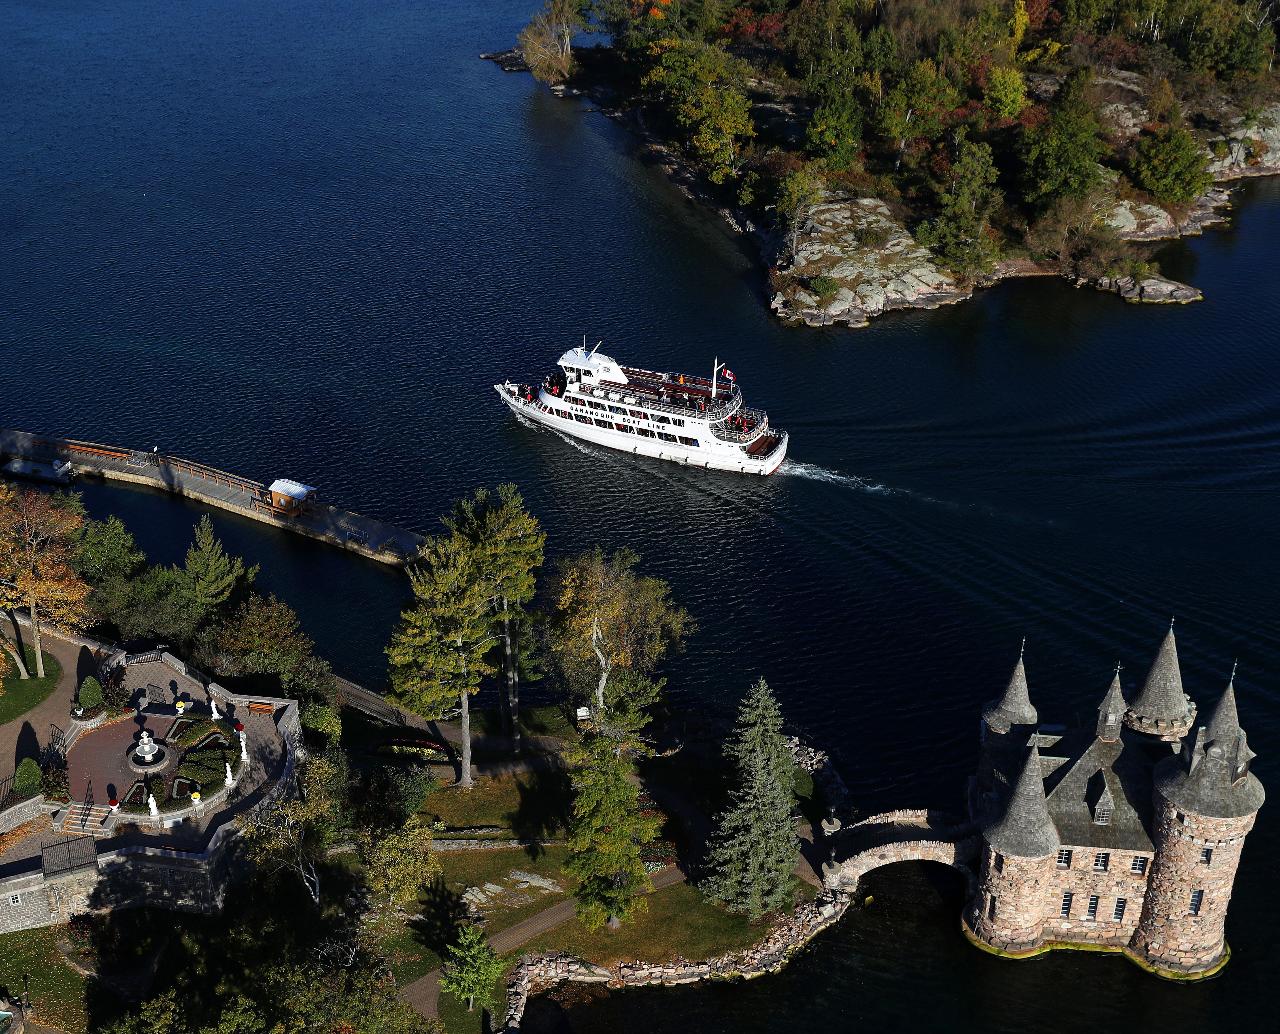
{"x": 715, "y": 375}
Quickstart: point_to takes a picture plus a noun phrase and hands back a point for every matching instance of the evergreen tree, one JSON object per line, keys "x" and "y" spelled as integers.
{"x": 472, "y": 970}
{"x": 507, "y": 547}
{"x": 1060, "y": 157}
{"x": 753, "y": 851}
{"x": 106, "y": 549}
{"x": 607, "y": 833}
{"x": 438, "y": 653}
{"x": 215, "y": 577}
{"x": 968, "y": 196}
{"x": 1172, "y": 166}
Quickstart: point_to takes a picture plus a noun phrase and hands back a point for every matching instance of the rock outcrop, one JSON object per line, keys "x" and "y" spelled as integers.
{"x": 1149, "y": 290}
{"x": 853, "y": 260}
{"x": 1252, "y": 148}
{"x": 1141, "y": 221}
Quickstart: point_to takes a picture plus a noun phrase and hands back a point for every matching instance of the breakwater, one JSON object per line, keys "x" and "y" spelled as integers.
{"x": 192, "y": 479}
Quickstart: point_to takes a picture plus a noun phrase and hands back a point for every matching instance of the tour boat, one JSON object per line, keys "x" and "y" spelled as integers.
{"x": 697, "y": 421}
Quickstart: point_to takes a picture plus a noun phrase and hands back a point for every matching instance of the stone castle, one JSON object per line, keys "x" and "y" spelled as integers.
{"x": 1126, "y": 834}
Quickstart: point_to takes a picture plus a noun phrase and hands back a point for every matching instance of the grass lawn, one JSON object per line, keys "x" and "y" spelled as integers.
{"x": 57, "y": 990}
{"x": 456, "y": 1019}
{"x": 532, "y": 804}
{"x": 18, "y": 696}
{"x": 415, "y": 948}
{"x": 546, "y": 720}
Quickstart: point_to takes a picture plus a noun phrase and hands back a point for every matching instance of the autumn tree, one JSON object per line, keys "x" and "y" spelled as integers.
{"x": 506, "y": 545}
{"x": 609, "y": 618}
{"x": 398, "y": 863}
{"x": 438, "y": 654}
{"x": 701, "y": 88}
{"x": 607, "y": 833}
{"x": 1006, "y": 92}
{"x": 547, "y": 41}
{"x": 37, "y": 543}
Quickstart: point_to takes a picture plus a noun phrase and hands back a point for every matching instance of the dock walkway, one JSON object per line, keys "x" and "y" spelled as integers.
{"x": 191, "y": 479}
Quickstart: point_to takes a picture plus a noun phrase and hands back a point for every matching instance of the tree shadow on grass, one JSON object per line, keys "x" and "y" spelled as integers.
{"x": 442, "y": 917}
{"x": 544, "y": 808}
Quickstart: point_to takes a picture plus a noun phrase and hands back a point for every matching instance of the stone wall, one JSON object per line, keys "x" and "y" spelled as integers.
{"x": 1168, "y": 935}
{"x": 1022, "y": 890}
{"x": 955, "y": 853}
{"x": 537, "y": 973}
{"x": 1083, "y": 881}
{"x": 23, "y": 811}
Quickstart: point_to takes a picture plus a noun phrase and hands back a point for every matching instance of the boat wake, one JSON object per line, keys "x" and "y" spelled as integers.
{"x": 812, "y": 472}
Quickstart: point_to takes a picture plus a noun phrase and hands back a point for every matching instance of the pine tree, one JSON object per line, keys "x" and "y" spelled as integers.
{"x": 607, "y": 834}
{"x": 507, "y": 546}
{"x": 753, "y": 851}
{"x": 215, "y": 577}
{"x": 472, "y": 970}
{"x": 438, "y": 653}
{"x": 1060, "y": 157}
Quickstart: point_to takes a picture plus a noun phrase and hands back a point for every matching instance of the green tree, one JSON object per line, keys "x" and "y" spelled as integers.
{"x": 1006, "y": 92}
{"x": 472, "y": 969}
{"x": 1172, "y": 166}
{"x": 798, "y": 191}
{"x": 156, "y": 604}
{"x": 916, "y": 107}
{"x": 1060, "y": 157}
{"x": 105, "y": 550}
{"x": 90, "y": 693}
{"x": 293, "y": 832}
{"x": 507, "y": 546}
{"x": 216, "y": 579}
{"x": 701, "y": 88}
{"x": 834, "y": 132}
{"x": 438, "y": 653}
{"x": 399, "y": 863}
{"x": 752, "y": 858}
{"x": 607, "y": 833}
{"x": 958, "y": 234}
{"x": 609, "y": 618}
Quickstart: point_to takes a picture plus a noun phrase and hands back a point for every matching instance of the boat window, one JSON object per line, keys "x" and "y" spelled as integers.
{"x": 618, "y": 409}
{"x": 581, "y": 419}
{"x": 640, "y": 414}
{"x": 644, "y": 432}
{"x": 595, "y": 405}
{"x": 666, "y": 437}
{"x": 661, "y": 419}
{"x": 575, "y": 401}
{"x": 677, "y": 421}
{"x": 624, "y": 427}
{"x": 603, "y": 423}
{"x": 689, "y": 441}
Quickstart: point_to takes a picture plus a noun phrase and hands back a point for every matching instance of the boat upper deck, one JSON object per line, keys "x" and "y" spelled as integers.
{"x": 678, "y": 394}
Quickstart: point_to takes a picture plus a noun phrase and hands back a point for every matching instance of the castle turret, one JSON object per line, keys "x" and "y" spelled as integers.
{"x": 1206, "y": 800}
{"x": 1014, "y": 707}
{"x": 1018, "y": 849}
{"x": 1162, "y": 709}
{"x": 1111, "y": 711}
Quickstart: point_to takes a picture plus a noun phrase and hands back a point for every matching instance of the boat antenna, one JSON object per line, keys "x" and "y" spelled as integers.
{"x": 715, "y": 375}
{"x": 598, "y": 344}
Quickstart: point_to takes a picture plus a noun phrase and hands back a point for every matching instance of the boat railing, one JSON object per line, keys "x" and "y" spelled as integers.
{"x": 757, "y": 418}
{"x": 647, "y": 395}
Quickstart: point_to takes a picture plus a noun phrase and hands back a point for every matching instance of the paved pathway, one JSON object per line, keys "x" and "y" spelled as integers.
{"x": 29, "y": 733}
{"x": 424, "y": 993}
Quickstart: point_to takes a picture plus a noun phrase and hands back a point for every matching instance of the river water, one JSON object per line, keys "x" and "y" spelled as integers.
{"x": 303, "y": 239}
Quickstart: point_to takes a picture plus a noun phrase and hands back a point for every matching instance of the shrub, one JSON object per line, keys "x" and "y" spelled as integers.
{"x": 91, "y": 696}
{"x": 26, "y": 780}
{"x": 322, "y": 720}
{"x": 54, "y": 783}
{"x": 872, "y": 235}
{"x": 823, "y": 286}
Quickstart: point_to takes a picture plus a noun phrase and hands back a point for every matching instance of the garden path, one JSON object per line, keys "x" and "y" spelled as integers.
{"x": 28, "y": 734}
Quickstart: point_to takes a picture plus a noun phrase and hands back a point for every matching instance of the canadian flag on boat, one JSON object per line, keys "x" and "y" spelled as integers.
{"x": 728, "y": 374}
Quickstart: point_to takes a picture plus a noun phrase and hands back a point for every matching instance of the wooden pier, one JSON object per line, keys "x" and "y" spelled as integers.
{"x": 194, "y": 480}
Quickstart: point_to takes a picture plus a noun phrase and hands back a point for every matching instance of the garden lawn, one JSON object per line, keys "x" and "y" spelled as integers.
{"x": 57, "y": 990}
{"x": 532, "y": 805}
{"x": 547, "y": 720}
{"x": 456, "y": 1019}
{"x": 20, "y": 695}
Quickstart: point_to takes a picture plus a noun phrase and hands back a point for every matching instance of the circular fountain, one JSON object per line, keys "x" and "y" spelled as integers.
{"x": 146, "y": 755}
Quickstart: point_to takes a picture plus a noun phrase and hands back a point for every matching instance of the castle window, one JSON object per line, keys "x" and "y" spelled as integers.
{"x": 1102, "y": 815}
{"x": 16, "y": 899}
{"x": 1206, "y": 855}
{"x": 1092, "y": 914}
{"x": 1138, "y": 865}
{"x": 991, "y": 909}
{"x": 999, "y": 862}
{"x": 1117, "y": 913}
{"x": 1101, "y": 861}
{"x": 1197, "y": 899}
{"x": 1065, "y": 911}
{"x": 1064, "y": 858}
{"x": 1180, "y": 817}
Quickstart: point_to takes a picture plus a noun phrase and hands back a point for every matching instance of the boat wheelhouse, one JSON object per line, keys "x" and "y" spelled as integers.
{"x": 698, "y": 421}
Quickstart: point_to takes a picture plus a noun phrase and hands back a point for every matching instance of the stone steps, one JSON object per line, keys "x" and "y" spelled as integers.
{"x": 84, "y": 818}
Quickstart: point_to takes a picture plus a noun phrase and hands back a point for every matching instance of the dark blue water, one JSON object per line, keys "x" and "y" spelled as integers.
{"x": 302, "y": 239}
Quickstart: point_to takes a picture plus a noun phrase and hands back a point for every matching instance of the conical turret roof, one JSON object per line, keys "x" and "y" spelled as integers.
{"x": 1224, "y": 723}
{"x": 1025, "y": 829}
{"x": 1014, "y": 708}
{"x": 1162, "y": 698}
{"x": 1111, "y": 710}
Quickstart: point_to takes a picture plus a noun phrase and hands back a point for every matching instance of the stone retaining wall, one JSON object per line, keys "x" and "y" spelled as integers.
{"x": 494, "y": 844}
{"x": 23, "y": 811}
{"x": 538, "y": 973}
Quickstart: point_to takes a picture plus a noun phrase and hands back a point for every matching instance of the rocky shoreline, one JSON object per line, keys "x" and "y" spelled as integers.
{"x": 870, "y": 263}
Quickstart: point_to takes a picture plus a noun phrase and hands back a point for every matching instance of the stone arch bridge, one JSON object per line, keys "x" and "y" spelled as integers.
{"x": 900, "y": 836}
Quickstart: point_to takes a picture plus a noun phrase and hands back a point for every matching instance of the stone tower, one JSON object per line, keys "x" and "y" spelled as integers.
{"x": 1015, "y": 879}
{"x": 1162, "y": 708}
{"x": 1206, "y": 800}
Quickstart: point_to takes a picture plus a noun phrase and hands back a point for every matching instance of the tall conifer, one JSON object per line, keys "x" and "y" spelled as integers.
{"x": 753, "y": 851}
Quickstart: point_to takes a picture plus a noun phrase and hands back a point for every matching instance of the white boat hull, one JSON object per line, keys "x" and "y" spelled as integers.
{"x": 710, "y": 454}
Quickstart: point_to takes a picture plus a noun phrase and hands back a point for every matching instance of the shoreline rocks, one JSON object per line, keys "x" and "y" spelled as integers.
{"x": 1149, "y": 290}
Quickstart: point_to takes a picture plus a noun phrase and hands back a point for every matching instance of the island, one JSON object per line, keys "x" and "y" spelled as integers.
{"x": 901, "y": 155}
